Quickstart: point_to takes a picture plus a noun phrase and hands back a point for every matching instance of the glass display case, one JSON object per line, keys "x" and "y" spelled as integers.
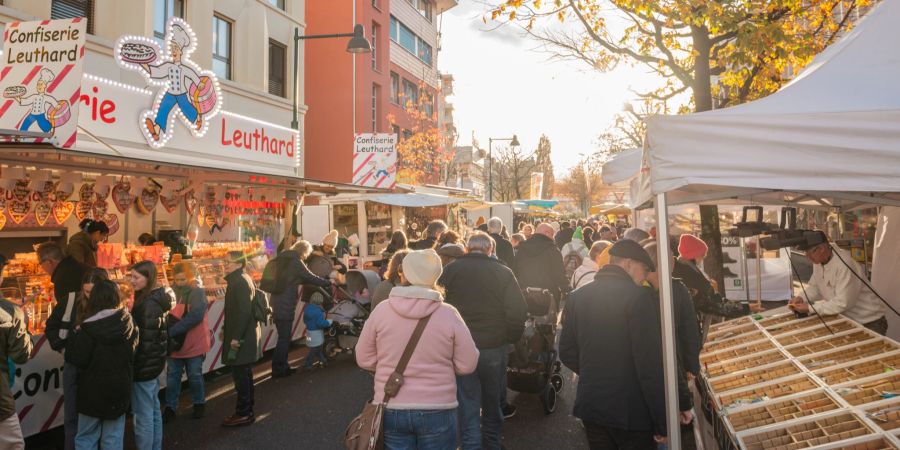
{"x": 346, "y": 219}
{"x": 380, "y": 227}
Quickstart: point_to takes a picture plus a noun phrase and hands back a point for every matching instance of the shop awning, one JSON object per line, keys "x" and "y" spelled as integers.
{"x": 416, "y": 200}
{"x": 543, "y": 204}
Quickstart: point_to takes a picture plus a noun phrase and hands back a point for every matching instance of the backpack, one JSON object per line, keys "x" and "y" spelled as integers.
{"x": 260, "y": 307}
{"x": 571, "y": 262}
{"x": 270, "y": 272}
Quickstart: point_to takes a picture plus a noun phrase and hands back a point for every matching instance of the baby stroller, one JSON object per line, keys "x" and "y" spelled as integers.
{"x": 534, "y": 367}
{"x": 348, "y": 310}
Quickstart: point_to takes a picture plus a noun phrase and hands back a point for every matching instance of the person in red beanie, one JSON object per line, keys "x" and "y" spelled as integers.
{"x": 692, "y": 250}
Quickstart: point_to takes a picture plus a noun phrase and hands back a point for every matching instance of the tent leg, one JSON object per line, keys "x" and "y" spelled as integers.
{"x": 668, "y": 322}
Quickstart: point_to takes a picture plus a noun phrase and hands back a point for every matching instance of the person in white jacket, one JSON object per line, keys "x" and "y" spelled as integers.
{"x": 834, "y": 289}
{"x": 597, "y": 258}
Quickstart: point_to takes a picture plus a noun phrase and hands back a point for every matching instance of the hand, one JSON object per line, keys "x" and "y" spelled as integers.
{"x": 686, "y": 417}
{"x": 660, "y": 439}
{"x": 235, "y": 344}
{"x": 756, "y": 307}
{"x": 797, "y": 304}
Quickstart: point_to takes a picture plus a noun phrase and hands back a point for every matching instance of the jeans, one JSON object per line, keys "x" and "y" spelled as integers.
{"x": 194, "y": 367}
{"x": 602, "y": 437}
{"x": 420, "y": 429}
{"x": 242, "y": 376}
{"x": 41, "y": 120}
{"x": 11, "y": 433}
{"x": 96, "y": 433}
{"x": 480, "y": 417}
{"x": 147, "y": 416}
{"x": 280, "y": 357}
{"x": 70, "y": 410}
{"x": 168, "y": 102}
{"x": 315, "y": 354}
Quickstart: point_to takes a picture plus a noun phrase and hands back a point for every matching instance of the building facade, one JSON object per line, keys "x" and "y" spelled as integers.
{"x": 367, "y": 93}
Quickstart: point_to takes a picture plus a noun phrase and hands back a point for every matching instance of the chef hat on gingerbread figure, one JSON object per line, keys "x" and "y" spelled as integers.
{"x": 46, "y": 76}
{"x": 180, "y": 37}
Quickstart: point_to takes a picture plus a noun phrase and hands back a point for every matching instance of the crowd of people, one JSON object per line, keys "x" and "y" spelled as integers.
{"x": 466, "y": 300}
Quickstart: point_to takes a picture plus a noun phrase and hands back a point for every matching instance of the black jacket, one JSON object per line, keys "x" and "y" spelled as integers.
{"x": 150, "y": 320}
{"x": 706, "y": 299}
{"x": 488, "y": 297}
{"x": 687, "y": 330}
{"x": 423, "y": 244}
{"x": 611, "y": 339}
{"x": 240, "y": 324}
{"x": 504, "y": 249}
{"x": 290, "y": 273}
{"x": 103, "y": 352}
{"x": 539, "y": 264}
{"x": 563, "y": 237}
{"x": 66, "y": 279}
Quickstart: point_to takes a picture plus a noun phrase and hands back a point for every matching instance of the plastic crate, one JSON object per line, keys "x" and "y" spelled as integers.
{"x": 872, "y": 391}
{"x": 840, "y": 356}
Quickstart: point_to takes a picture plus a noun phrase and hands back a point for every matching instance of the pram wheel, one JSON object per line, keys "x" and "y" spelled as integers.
{"x": 556, "y": 381}
{"x": 332, "y": 349}
{"x": 548, "y": 399}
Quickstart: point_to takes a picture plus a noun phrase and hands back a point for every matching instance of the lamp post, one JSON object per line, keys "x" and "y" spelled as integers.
{"x": 514, "y": 142}
{"x": 357, "y": 44}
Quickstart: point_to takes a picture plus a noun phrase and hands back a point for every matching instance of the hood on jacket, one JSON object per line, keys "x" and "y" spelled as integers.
{"x": 575, "y": 245}
{"x": 414, "y": 302}
{"x": 162, "y": 296}
{"x": 535, "y": 245}
{"x": 111, "y": 326}
{"x": 82, "y": 238}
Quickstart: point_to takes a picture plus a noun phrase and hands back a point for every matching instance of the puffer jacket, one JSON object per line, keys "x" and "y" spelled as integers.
{"x": 83, "y": 249}
{"x": 150, "y": 319}
{"x": 291, "y": 272}
{"x": 539, "y": 264}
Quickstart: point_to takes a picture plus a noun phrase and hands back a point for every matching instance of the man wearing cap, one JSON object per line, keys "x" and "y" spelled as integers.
{"x": 15, "y": 348}
{"x": 834, "y": 289}
{"x": 611, "y": 339}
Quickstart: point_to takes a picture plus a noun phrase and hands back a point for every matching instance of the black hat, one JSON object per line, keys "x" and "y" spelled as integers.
{"x": 627, "y": 248}
{"x": 813, "y": 239}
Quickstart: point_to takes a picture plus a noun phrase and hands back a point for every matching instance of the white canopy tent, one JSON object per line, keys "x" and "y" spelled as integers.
{"x": 831, "y": 137}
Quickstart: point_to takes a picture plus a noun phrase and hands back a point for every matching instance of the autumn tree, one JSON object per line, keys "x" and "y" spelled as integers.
{"x": 582, "y": 183}
{"x": 545, "y": 166}
{"x": 512, "y": 169}
{"x": 422, "y": 152}
{"x": 728, "y": 50}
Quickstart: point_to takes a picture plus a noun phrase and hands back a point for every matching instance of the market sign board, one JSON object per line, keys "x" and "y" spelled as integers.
{"x": 40, "y": 77}
{"x": 536, "y": 186}
{"x": 375, "y": 160}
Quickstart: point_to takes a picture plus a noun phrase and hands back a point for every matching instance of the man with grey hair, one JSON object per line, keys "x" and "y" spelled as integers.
{"x": 636, "y": 234}
{"x": 488, "y": 298}
{"x": 503, "y": 248}
{"x": 433, "y": 233}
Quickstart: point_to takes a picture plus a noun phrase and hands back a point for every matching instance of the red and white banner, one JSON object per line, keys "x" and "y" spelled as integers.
{"x": 41, "y": 78}
{"x": 375, "y": 160}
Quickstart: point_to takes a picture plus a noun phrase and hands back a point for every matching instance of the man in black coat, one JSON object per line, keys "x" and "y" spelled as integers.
{"x": 539, "y": 264}
{"x": 66, "y": 274}
{"x": 433, "y": 233}
{"x": 504, "y": 249}
{"x": 611, "y": 339}
{"x": 564, "y": 235}
{"x": 489, "y": 300}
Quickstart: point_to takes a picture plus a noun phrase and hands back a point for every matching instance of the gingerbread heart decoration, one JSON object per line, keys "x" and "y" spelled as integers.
{"x": 18, "y": 209}
{"x": 86, "y": 192}
{"x": 21, "y": 191}
{"x": 2, "y": 200}
{"x": 147, "y": 201}
{"x": 100, "y": 208}
{"x": 82, "y": 209}
{"x": 210, "y": 220}
{"x": 42, "y": 211}
{"x": 2, "y": 219}
{"x": 102, "y": 193}
{"x": 112, "y": 221}
{"x": 46, "y": 190}
{"x": 190, "y": 203}
{"x": 169, "y": 203}
{"x": 122, "y": 197}
{"x": 62, "y": 211}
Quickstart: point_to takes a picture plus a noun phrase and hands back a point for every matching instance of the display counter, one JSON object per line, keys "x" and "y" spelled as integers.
{"x": 777, "y": 381}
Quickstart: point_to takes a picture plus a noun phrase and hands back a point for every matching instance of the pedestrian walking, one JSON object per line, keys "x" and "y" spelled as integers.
{"x": 83, "y": 244}
{"x": 448, "y": 237}
{"x": 539, "y": 264}
{"x": 391, "y": 278}
{"x": 192, "y": 330}
{"x": 449, "y": 253}
{"x": 423, "y": 413}
{"x": 564, "y": 235}
{"x": 66, "y": 275}
{"x": 588, "y": 235}
{"x": 15, "y": 348}
{"x": 504, "y": 249}
{"x": 636, "y": 234}
{"x": 291, "y": 273}
{"x": 103, "y": 350}
{"x": 240, "y": 337}
{"x": 316, "y": 324}
{"x": 608, "y": 233}
{"x": 151, "y": 304}
{"x": 490, "y": 301}
{"x": 598, "y": 257}
{"x": 515, "y": 240}
{"x": 574, "y": 253}
{"x": 611, "y": 339}
{"x": 527, "y": 231}
{"x": 433, "y": 232}
{"x": 398, "y": 242}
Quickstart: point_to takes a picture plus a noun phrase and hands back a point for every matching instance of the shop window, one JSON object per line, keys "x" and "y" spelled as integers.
{"x": 346, "y": 219}
{"x": 222, "y": 47}
{"x": 380, "y": 227}
{"x": 162, "y": 11}
{"x": 69, "y": 9}
{"x": 376, "y": 30}
{"x": 277, "y": 67}
{"x": 395, "y": 88}
{"x": 277, "y": 3}
{"x": 376, "y": 93}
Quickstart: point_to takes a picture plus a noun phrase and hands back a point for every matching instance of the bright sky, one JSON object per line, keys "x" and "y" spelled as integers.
{"x": 505, "y": 85}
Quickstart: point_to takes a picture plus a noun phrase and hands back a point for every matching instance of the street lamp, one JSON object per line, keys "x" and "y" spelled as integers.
{"x": 357, "y": 44}
{"x": 514, "y": 143}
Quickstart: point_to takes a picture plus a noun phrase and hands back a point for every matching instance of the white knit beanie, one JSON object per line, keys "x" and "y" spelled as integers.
{"x": 331, "y": 238}
{"x": 422, "y": 267}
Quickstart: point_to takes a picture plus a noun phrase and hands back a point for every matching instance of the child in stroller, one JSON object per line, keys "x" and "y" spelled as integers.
{"x": 534, "y": 367}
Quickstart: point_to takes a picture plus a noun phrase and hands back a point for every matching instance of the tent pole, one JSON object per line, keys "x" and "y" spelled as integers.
{"x": 668, "y": 322}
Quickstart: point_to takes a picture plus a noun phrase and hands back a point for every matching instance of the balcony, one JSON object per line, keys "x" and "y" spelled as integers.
{"x": 444, "y": 5}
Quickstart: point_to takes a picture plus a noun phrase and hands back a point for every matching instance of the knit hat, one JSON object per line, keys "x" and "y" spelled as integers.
{"x": 422, "y": 267}
{"x": 629, "y": 249}
{"x": 452, "y": 250}
{"x": 691, "y": 247}
{"x": 578, "y": 234}
{"x": 331, "y": 238}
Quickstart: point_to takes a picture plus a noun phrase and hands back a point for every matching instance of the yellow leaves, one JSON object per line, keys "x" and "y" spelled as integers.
{"x": 512, "y": 15}
{"x": 537, "y": 4}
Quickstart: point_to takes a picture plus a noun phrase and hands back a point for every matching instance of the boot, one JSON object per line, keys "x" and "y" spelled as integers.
{"x": 727, "y": 259}
{"x": 728, "y": 273}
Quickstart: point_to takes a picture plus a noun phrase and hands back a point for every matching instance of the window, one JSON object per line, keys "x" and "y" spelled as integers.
{"x": 68, "y": 9}
{"x": 428, "y": 103}
{"x": 410, "y": 93}
{"x": 395, "y": 88}
{"x": 376, "y": 92}
{"x": 402, "y": 35}
{"x": 277, "y": 3}
{"x": 376, "y": 30}
{"x": 277, "y": 57}
{"x": 424, "y": 7}
{"x": 162, "y": 11}
{"x": 221, "y": 47}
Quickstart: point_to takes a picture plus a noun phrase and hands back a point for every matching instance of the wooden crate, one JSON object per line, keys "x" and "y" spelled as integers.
{"x": 807, "y": 405}
{"x": 885, "y": 416}
{"x": 737, "y": 351}
{"x": 840, "y": 356}
{"x": 725, "y": 367}
{"x": 859, "y": 370}
{"x": 731, "y": 332}
{"x": 717, "y": 327}
{"x": 803, "y": 349}
{"x": 875, "y": 444}
{"x": 779, "y": 319}
{"x": 768, "y": 390}
{"x": 808, "y": 335}
{"x": 812, "y": 323}
{"x": 743, "y": 339}
{"x": 749, "y": 378}
{"x": 808, "y": 434}
{"x": 872, "y": 391}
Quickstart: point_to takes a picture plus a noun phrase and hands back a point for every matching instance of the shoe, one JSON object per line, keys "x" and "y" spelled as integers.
{"x": 168, "y": 415}
{"x": 728, "y": 273}
{"x": 727, "y": 259}
{"x": 238, "y": 421}
{"x": 284, "y": 374}
{"x": 509, "y": 411}
{"x": 151, "y": 127}
{"x": 198, "y": 411}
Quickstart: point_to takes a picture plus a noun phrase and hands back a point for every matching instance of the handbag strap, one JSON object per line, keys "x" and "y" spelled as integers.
{"x": 410, "y": 348}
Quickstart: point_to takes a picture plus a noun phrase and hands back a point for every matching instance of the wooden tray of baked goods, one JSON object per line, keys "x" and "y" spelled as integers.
{"x": 831, "y": 429}
{"x": 737, "y": 351}
{"x": 766, "y": 391}
{"x": 822, "y": 344}
{"x": 782, "y": 410}
{"x": 859, "y": 369}
{"x": 752, "y": 376}
{"x": 736, "y": 341}
{"x": 725, "y": 367}
{"x": 806, "y": 335}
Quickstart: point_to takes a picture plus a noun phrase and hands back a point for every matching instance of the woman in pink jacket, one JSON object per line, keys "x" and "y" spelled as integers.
{"x": 423, "y": 413}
